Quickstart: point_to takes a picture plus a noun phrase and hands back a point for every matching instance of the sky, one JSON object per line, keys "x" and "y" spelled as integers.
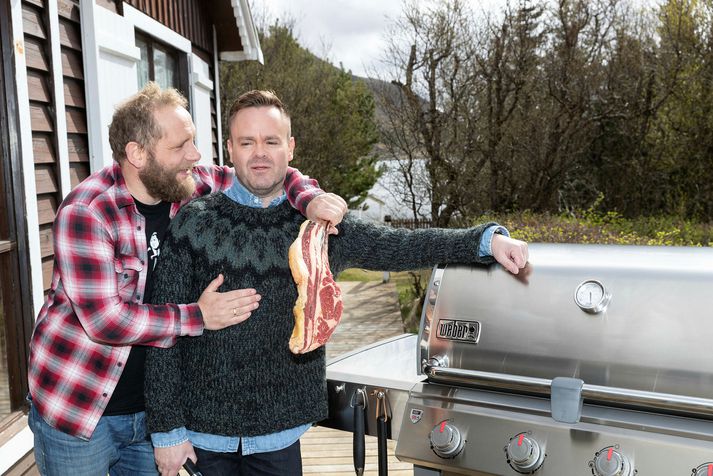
{"x": 346, "y": 31}
{"x": 350, "y": 32}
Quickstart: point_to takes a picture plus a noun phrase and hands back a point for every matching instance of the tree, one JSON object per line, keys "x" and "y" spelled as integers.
{"x": 429, "y": 117}
{"x": 684, "y": 125}
{"x": 553, "y": 105}
{"x": 332, "y": 113}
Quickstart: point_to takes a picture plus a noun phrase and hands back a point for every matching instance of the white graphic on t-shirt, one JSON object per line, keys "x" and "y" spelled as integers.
{"x": 154, "y": 249}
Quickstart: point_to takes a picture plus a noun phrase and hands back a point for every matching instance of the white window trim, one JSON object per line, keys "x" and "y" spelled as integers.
{"x": 150, "y": 26}
{"x": 91, "y": 39}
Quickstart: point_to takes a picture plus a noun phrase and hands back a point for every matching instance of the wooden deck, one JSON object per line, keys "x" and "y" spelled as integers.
{"x": 328, "y": 452}
{"x": 371, "y": 314}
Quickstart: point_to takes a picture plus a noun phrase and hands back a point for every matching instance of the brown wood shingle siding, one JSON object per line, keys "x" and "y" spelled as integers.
{"x": 73, "y": 77}
{"x": 43, "y": 106}
{"x": 44, "y": 140}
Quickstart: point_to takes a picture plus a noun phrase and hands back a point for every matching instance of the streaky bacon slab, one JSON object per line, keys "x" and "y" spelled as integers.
{"x": 318, "y": 308}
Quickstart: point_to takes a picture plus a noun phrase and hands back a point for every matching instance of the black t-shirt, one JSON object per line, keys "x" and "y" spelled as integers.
{"x": 128, "y": 397}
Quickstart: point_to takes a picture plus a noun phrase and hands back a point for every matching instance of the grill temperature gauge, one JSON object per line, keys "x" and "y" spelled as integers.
{"x": 704, "y": 470}
{"x": 591, "y": 296}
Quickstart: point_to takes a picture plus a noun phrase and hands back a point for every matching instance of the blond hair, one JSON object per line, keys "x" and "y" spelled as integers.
{"x": 134, "y": 120}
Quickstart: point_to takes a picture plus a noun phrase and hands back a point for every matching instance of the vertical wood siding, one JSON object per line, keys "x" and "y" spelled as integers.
{"x": 188, "y": 18}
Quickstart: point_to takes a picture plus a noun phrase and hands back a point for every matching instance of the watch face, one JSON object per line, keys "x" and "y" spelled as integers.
{"x": 591, "y": 296}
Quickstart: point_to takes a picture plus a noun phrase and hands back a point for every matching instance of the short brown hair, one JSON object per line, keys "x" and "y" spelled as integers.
{"x": 258, "y": 98}
{"x": 134, "y": 120}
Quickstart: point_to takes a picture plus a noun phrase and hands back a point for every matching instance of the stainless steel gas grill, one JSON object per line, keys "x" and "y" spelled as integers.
{"x": 599, "y": 362}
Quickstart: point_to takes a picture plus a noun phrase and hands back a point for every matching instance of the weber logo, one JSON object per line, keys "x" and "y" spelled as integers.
{"x": 416, "y": 414}
{"x": 461, "y": 331}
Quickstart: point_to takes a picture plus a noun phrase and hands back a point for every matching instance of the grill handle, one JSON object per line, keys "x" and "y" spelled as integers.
{"x": 358, "y": 451}
{"x": 381, "y": 431}
{"x": 596, "y": 393}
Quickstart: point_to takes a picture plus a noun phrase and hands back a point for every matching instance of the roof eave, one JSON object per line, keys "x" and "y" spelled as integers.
{"x": 248, "y": 35}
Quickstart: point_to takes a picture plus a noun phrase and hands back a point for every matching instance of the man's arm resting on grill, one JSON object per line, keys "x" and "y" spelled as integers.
{"x": 377, "y": 247}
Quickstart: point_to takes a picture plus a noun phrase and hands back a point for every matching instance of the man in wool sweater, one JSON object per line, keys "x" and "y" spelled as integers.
{"x": 237, "y": 400}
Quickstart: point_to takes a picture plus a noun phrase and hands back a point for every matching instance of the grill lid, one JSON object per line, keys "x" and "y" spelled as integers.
{"x": 631, "y": 322}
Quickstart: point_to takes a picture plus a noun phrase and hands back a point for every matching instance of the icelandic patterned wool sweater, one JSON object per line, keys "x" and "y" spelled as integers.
{"x": 243, "y": 380}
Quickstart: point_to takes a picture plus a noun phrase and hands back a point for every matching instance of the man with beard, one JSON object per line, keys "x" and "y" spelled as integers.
{"x": 87, "y": 351}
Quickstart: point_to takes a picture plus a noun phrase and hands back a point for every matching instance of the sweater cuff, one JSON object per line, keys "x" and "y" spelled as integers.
{"x": 172, "y": 438}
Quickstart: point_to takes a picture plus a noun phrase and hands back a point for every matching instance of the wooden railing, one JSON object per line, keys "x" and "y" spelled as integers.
{"x": 412, "y": 224}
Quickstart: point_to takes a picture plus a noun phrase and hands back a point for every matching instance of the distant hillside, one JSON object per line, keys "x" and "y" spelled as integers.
{"x": 381, "y": 89}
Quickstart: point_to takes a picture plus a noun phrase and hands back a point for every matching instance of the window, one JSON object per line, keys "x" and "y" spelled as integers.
{"x": 161, "y": 63}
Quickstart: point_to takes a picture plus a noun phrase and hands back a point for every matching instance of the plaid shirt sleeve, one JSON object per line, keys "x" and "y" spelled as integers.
{"x": 301, "y": 189}
{"x": 104, "y": 286}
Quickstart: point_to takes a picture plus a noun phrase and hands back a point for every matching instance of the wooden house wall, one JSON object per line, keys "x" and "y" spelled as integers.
{"x": 43, "y": 108}
{"x": 185, "y": 18}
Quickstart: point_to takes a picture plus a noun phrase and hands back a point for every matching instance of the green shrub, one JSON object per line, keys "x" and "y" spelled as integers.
{"x": 604, "y": 228}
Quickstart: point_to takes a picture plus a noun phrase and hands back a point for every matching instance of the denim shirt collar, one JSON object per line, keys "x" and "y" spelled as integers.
{"x": 238, "y": 193}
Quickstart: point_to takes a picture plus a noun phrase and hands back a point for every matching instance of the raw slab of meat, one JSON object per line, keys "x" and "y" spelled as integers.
{"x": 318, "y": 308}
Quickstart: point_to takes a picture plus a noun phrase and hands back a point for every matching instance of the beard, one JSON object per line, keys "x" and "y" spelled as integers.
{"x": 161, "y": 183}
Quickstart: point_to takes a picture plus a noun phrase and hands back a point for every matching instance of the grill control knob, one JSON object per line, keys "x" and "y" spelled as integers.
{"x": 609, "y": 462}
{"x": 704, "y": 470}
{"x": 446, "y": 440}
{"x": 524, "y": 453}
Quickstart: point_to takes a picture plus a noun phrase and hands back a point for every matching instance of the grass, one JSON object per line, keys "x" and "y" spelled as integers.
{"x": 356, "y": 274}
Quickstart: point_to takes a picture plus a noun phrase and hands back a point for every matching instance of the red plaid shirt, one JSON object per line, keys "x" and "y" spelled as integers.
{"x": 94, "y": 311}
